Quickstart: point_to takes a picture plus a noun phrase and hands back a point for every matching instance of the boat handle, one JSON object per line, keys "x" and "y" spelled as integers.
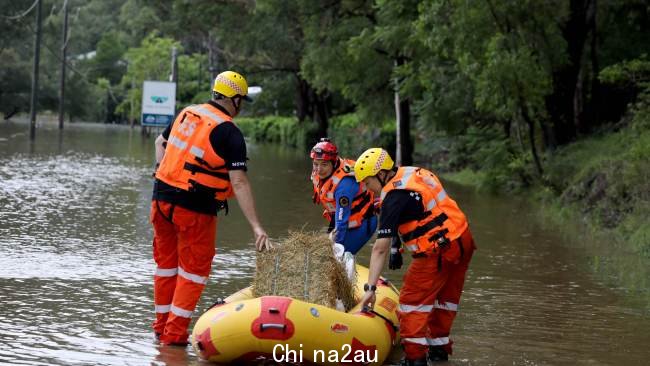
{"x": 368, "y": 310}
{"x": 274, "y": 310}
{"x": 265, "y": 326}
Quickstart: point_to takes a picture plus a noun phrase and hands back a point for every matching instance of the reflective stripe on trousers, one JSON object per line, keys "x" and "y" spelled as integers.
{"x": 440, "y": 341}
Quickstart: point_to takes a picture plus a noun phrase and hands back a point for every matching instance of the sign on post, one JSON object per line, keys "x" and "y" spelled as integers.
{"x": 158, "y": 103}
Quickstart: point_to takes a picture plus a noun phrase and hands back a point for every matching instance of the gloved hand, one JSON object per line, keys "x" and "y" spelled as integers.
{"x": 395, "y": 260}
{"x": 339, "y": 251}
{"x": 332, "y": 236}
{"x": 350, "y": 267}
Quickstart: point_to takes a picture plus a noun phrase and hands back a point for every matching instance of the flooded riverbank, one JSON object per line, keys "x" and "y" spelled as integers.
{"x": 76, "y": 268}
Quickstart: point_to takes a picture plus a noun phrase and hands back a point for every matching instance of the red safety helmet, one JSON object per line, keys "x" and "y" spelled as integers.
{"x": 325, "y": 150}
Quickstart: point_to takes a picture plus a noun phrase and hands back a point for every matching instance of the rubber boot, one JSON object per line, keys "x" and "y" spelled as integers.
{"x": 419, "y": 362}
{"x": 437, "y": 354}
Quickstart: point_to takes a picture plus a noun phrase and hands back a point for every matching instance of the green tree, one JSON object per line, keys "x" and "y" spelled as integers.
{"x": 150, "y": 61}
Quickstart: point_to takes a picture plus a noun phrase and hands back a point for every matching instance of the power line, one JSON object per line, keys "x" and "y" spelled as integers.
{"x": 14, "y": 17}
{"x": 56, "y": 55}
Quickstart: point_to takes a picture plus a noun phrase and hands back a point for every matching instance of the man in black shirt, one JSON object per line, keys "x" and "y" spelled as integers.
{"x": 201, "y": 162}
{"x": 415, "y": 206}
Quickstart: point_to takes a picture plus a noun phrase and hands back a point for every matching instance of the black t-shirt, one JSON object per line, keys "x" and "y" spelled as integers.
{"x": 228, "y": 142}
{"x": 399, "y": 206}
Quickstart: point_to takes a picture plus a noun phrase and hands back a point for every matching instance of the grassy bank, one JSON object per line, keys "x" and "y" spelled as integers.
{"x": 275, "y": 129}
{"x": 606, "y": 180}
{"x": 602, "y": 180}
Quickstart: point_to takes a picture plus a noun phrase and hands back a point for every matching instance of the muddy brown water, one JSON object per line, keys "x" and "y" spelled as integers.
{"x": 76, "y": 267}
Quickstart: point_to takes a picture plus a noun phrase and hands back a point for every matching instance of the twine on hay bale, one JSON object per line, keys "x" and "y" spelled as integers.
{"x": 303, "y": 267}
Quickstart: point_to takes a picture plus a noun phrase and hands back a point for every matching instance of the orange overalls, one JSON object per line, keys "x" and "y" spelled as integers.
{"x": 184, "y": 240}
{"x": 442, "y": 247}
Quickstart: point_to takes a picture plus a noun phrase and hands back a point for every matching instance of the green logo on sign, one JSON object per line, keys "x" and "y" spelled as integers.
{"x": 157, "y": 99}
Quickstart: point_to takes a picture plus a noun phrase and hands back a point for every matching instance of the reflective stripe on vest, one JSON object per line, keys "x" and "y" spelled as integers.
{"x": 177, "y": 142}
{"x": 199, "y": 109}
{"x": 441, "y": 195}
{"x": 198, "y": 152}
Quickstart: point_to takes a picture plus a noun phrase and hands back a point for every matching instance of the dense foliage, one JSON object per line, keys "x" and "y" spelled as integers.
{"x": 522, "y": 74}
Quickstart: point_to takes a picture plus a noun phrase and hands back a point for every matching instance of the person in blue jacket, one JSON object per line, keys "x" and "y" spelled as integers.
{"x": 349, "y": 206}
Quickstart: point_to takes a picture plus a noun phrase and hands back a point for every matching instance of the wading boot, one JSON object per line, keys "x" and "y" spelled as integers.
{"x": 437, "y": 354}
{"x": 167, "y": 340}
{"x": 419, "y": 362}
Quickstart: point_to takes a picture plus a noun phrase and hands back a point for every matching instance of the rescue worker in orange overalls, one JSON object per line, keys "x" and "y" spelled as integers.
{"x": 349, "y": 206}
{"x": 201, "y": 163}
{"x": 415, "y": 206}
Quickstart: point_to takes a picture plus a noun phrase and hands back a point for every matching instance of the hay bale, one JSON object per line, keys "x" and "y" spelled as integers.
{"x": 303, "y": 267}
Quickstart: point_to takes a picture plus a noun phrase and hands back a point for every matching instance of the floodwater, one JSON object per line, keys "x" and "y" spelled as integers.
{"x": 76, "y": 268}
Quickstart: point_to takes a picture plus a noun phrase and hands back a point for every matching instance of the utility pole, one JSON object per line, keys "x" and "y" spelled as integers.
{"x": 37, "y": 54}
{"x": 132, "y": 104}
{"x": 212, "y": 62}
{"x": 174, "y": 75}
{"x": 63, "y": 64}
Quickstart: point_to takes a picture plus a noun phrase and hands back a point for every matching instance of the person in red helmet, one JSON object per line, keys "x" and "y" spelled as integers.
{"x": 349, "y": 207}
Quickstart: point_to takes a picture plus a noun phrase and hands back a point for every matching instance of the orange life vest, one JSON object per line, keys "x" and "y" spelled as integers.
{"x": 441, "y": 216}
{"x": 190, "y": 163}
{"x": 362, "y": 203}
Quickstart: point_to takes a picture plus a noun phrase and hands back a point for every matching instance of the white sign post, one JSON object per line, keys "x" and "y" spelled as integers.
{"x": 158, "y": 103}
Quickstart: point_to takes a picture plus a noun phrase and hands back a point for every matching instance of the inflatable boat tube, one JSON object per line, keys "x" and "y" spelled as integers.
{"x": 242, "y": 329}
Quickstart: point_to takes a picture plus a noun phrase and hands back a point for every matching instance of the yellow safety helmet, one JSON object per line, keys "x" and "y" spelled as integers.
{"x": 231, "y": 84}
{"x": 371, "y": 162}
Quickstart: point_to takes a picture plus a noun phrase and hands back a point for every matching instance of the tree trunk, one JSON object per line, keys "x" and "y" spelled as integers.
{"x": 403, "y": 145}
{"x": 548, "y": 137}
{"x": 303, "y": 105}
{"x": 321, "y": 112}
{"x": 562, "y": 106}
{"x": 523, "y": 110}
{"x": 578, "y": 103}
{"x": 313, "y": 104}
{"x": 595, "y": 68}
{"x": 531, "y": 137}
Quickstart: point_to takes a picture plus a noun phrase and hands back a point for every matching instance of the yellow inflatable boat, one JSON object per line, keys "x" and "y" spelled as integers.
{"x": 243, "y": 329}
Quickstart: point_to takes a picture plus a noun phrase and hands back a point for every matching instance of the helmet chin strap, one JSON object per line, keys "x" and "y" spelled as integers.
{"x": 382, "y": 181}
{"x": 387, "y": 176}
{"x": 235, "y": 104}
